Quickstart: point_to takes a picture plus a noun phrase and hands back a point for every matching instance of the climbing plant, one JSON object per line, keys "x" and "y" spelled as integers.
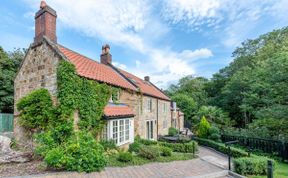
{"x": 58, "y": 143}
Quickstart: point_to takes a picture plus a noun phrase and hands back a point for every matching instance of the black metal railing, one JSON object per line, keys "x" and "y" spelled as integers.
{"x": 278, "y": 147}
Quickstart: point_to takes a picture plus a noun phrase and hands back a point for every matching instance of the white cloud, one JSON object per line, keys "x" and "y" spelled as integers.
{"x": 129, "y": 23}
{"x": 120, "y": 65}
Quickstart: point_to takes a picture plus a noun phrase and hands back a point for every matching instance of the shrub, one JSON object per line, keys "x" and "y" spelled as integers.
{"x": 190, "y": 147}
{"x": 134, "y": 147}
{"x": 172, "y": 131}
{"x": 165, "y": 151}
{"x": 80, "y": 153}
{"x": 125, "y": 157}
{"x": 149, "y": 152}
{"x": 214, "y": 134}
{"x": 55, "y": 158}
{"x": 147, "y": 142}
{"x": 108, "y": 144}
{"x": 36, "y": 109}
{"x": 204, "y": 127}
{"x": 235, "y": 152}
{"x": 256, "y": 165}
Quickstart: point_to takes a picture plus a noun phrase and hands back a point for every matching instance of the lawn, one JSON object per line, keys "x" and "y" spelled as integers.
{"x": 138, "y": 160}
{"x": 280, "y": 172}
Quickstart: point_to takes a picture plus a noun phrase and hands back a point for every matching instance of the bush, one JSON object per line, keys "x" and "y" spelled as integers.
{"x": 134, "y": 147}
{"x": 149, "y": 152}
{"x": 256, "y": 165}
{"x": 80, "y": 153}
{"x": 108, "y": 144}
{"x": 204, "y": 127}
{"x": 165, "y": 151}
{"x": 147, "y": 142}
{"x": 190, "y": 147}
{"x": 214, "y": 134}
{"x": 172, "y": 131}
{"x": 125, "y": 157}
{"x": 36, "y": 109}
{"x": 55, "y": 158}
{"x": 235, "y": 152}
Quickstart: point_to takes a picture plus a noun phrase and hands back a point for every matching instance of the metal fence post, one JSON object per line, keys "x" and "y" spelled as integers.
{"x": 270, "y": 169}
{"x": 229, "y": 158}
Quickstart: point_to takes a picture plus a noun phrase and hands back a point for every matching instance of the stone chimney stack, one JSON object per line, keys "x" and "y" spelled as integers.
{"x": 45, "y": 23}
{"x": 147, "y": 78}
{"x": 106, "y": 57}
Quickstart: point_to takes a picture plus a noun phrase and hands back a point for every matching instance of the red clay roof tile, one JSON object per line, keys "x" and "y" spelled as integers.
{"x": 145, "y": 87}
{"x": 118, "y": 110}
{"x": 91, "y": 69}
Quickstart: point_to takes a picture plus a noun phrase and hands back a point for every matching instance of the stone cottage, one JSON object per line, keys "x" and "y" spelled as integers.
{"x": 143, "y": 110}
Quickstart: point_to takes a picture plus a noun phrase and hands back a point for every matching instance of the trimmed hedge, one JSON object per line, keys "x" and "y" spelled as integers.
{"x": 235, "y": 152}
{"x": 165, "y": 151}
{"x": 147, "y": 142}
{"x": 172, "y": 131}
{"x": 256, "y": 165}
{"x": 149, "y": 152}
{"x": 190, "y": 147}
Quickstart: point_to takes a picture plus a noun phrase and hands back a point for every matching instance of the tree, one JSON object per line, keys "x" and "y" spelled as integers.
{"x": 214, "y": 115}
{"x": 186, "y": 104}
{"x": 204, "y": 128}
{"x": 9, "y": 64}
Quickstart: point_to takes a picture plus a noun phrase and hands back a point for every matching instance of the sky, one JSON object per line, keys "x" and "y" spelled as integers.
{"x": 165, "y": 40}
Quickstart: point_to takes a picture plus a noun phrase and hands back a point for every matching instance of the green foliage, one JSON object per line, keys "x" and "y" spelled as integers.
{"x": 214, "y": 134}
{"x": 190, "y": 147}
{"x": 149, "y": 152}
{"x": 172, "y": 131}
{"x": 134, "y": 147}
{"x": 36, "y": 109}
{"x": 165, "y": 151}
{"x": 235, "y": 152}
{"x": 204, "y": 127}
{"x": 214, "y": 115}
{"x": 147, "y": 142}
{"x": 256, "y": 165}
{"x": 108, "y": 144}
{"x": 89, "y": 97}
{"x": 80, "y": 153}
{"x": 186, "y": 104}
{"x": 9, "y": 64}
{"x": 125, "y": 157}
{"x": 254, "y": 85}
{"x": 58, "y": 143}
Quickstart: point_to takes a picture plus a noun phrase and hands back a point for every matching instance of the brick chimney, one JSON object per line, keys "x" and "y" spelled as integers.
{"x": 147, "y": 78}
{"x": 45, "y": 23}
{"x": 106, "y": 57}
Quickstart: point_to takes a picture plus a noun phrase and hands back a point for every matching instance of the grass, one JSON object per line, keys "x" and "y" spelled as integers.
{"x": 137, "y": 160}
{"x": 281, "y": 171}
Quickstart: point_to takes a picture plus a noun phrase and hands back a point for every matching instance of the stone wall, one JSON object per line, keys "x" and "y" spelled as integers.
{"x": 38, "y": 70}
{"x": 139, "y": 104}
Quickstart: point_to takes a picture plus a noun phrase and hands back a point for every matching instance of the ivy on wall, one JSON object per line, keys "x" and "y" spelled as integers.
{"x": 56, "y": 135}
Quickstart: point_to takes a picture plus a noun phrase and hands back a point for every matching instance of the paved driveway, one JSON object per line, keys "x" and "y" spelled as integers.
{"x": 204, "y": 165}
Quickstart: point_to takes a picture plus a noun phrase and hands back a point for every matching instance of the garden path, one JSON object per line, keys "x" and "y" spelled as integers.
{"x": 209, "y": 164}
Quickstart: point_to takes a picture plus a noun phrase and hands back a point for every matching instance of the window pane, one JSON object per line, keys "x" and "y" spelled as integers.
{"x": 126, "y": 129}
{"x": 151, "y": 130}
{"x": 121, "y": 131}
{"x": 115, "y": 131}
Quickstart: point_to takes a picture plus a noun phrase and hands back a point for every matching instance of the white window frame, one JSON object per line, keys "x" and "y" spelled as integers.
{"x": 149, "y": 104}
{"x": 149, "y": 126}
{"x": 121, "y": 131}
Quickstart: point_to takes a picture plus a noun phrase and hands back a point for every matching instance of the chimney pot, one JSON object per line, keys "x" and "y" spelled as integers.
{"x": 43, "y": 4}
{"x": 106, "y": 57}
{"x": 147, "y": 78}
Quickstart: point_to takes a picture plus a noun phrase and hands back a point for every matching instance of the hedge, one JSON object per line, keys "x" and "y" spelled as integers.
{"x": 235, "y": 152}
{"x": 256, "y": 165}
{"x": 190, "y": 147}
